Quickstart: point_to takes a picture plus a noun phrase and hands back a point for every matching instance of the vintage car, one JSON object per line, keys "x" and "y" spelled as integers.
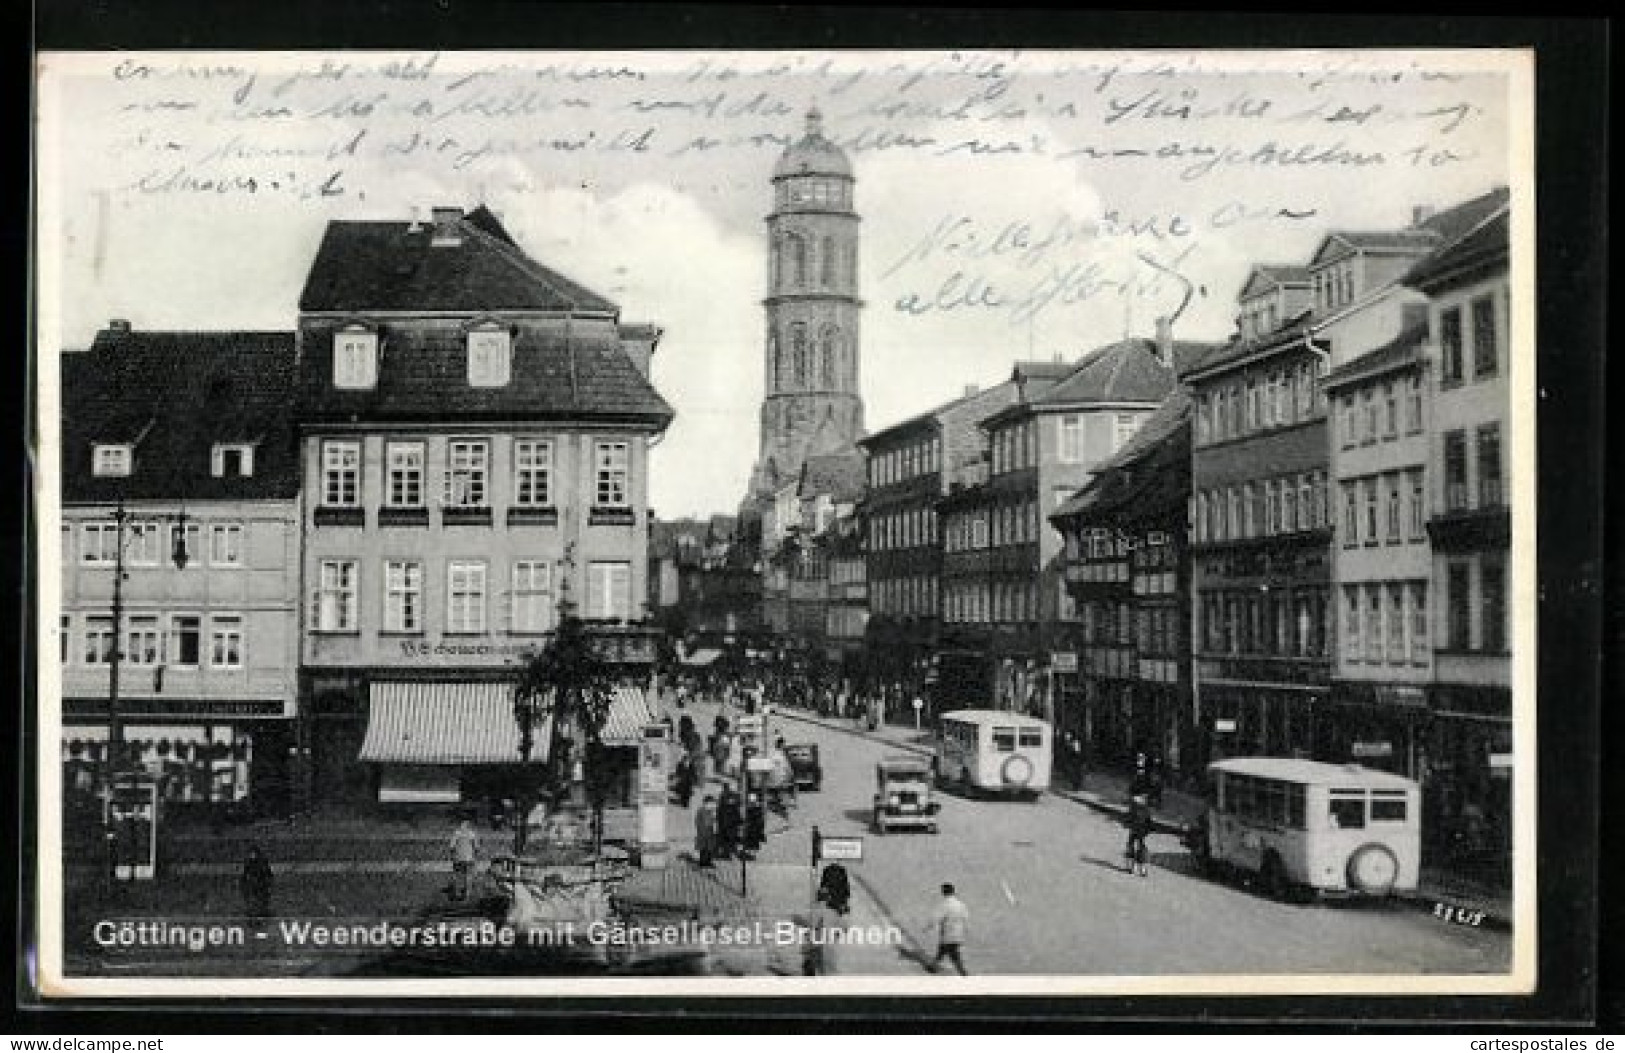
{"x": 804, "y": 765}
{"x": 903, "y": 794}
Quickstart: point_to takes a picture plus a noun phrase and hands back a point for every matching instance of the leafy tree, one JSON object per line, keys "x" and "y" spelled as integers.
{"x": 568, "y": 681}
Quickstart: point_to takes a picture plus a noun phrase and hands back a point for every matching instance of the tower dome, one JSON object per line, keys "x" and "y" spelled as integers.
{"x": 813, "y": 154}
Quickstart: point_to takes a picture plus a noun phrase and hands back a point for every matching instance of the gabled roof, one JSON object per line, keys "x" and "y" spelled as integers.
{"x": 423, "y": 376}
{"x": 1486, "y": 244}
{"x": 1441, "y": 228}
{"x": 1292, "y": 330}
{"x": 1169, "y": 417}
{"x": 364, "y": 266}
{"x": 1267, "y": 276}
{"x": 174, "y": 396}
{"x": 1127, "y": 371}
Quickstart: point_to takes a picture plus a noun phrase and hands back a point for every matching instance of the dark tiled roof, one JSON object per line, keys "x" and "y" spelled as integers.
{"x": 1169, "y": 417}
{"x": 1401, "y": 350}
{"x": 1237, "y": 348}
{"x": 390, "y": 266}
{"x": 840, "y": 475}
{"x": 1147, "y": 480}
{"x": 1127, "y": 371}
{"x": 424, "y": 376}
{"x": 178, "y": 394}
{"x": 1486, "y": 243}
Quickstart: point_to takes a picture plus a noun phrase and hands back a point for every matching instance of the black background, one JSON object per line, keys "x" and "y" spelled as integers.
{"x": 1578, "y": 988}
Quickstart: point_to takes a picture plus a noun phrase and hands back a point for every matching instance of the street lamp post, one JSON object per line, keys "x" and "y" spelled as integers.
{"x": 115, "y": 720}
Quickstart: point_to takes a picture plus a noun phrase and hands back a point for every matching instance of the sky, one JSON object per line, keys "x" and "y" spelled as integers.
{"x": 1014, "y": 205}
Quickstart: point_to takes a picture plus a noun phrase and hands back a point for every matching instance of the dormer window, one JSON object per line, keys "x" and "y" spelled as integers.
{"x": 111, "y": 460}
{"x": 490, "y": 355}
{"x": 232, "y": 460}
{"x": 355, "y": 359}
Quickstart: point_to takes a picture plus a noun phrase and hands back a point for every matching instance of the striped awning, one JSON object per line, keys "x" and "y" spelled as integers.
{"x": 445, "y": 723}
{"x": 629, "y": 713}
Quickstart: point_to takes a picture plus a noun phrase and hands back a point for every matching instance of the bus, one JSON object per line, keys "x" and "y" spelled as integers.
{"x": 1305, "y": 827}
{"x": 993, "y": 751}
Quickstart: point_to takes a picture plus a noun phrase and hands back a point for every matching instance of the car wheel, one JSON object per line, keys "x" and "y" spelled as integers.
{"x": 1373, "y": 869}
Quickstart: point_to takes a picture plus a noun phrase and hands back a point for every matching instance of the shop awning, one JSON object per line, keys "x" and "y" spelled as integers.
{"x": 445, "y": 723}
{"x": 703, "y": 656}
{"x": 629, "y": 713}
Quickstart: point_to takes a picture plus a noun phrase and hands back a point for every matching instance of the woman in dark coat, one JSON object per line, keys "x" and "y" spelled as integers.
{"x": 256, "y": 883}
{"x": 1139, "y": 828}
{"x": 728, "y": 819}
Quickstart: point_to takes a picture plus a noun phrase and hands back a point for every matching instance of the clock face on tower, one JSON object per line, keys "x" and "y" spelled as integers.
{"x": 811, "y": 346}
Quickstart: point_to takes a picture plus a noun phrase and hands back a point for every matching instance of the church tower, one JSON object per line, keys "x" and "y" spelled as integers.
{"x": 811, "y": 348}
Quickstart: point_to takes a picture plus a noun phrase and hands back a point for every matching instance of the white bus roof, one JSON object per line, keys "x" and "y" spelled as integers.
{"x": 1319, "y": 773}
{"x": 995, "y": 716}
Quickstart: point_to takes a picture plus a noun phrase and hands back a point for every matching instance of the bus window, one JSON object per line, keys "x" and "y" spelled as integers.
{"x": 1271, "y": 798}
{"x": 1004, "y": 739}
{"x": 1294, "y": 806}
{"x": 1031, "y": 738}
{"x": 1387, "y": 806}
{"x": 1347, "y": 811}
{"x": 1240, "y": 792}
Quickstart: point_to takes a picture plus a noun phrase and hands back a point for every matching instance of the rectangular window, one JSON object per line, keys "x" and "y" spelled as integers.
{"x": 1489, "y": 466}
{"x": 1492, "y": 584}
{"x": 1396, "y": 623}
{"x": 1413, "y": 405}
{"x": 1346, "y": 810}
{"x": 143, "y": 643}
{"x": 1455, "y": 471}
{"x": 465, "y": 596}
{"x": 225, "y": 544}
{"x": 110, "y": 459}
{"x": 1373, "y": 413}
{"x": 1371, "y": 527}
{"x": 336, "y": 596}
{"x": 1390, "y": 412}
{"x": 355, "y": 360}
{"x": 1421, "y": 632}
{"x": 1387, "y": 806}
{"x": 613, "y": 460}
{"x": 186, "y": 538}
{"x": 64, "y": 637}
{"x": 1351, "y": 515}
{"x": 226, "y": 641}
{"x": 1071, "y": 451}
{"x": 98, "y": 544}
{"x": 1394, "y": 514}
{"x": 1124, "y": 426}
{"x": 403, "y": 596}
{"x": 341, "y": 474}
{"x": 467, "y": 465}
{"x": 609, "y": 591}
{"x": 405, "y": 465}
{"x": 1450, "y": 350}
{"x": 141, "y": 543}
{"x": 1373, "y": 626}
{"x": 1457, "y": 595}
{"x": 1289, "y": 507}
{"x": 1486, "y": 352}
{"x": 489, "y": 355}
{"x": 1419, "y": 503}
{"x": 185, "y": 640}
{"x": 532, "y": 472}
{"x": 231, "y": 460}
{"x": 98, "y": 643}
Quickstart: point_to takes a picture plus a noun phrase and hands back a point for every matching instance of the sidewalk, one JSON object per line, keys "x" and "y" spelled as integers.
{"x": 1107, "y": 792}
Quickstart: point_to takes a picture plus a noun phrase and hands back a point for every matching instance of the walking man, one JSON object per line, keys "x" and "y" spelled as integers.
{"x": 950, "y": 922}
{"x": 464, "y": 847}
{"x": 256, "y": 883}
{"x": 705, "y": 830}
{"x": 1139, "y": 828}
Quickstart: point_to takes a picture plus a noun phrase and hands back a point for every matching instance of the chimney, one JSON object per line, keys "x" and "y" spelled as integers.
{"x": 417, "y": 221}
{"x": 1420, "y": 214}
{"x": 971, "y": 389}
{"x": 639, "y": 343}
{"x": 119, "y": 325}
{"x": 1165, "y": 342}
{"x": 446, "y": 232}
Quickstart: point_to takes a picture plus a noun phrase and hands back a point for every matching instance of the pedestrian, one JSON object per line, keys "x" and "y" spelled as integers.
{"x": 728, "y": 821}
{"x": 464, "y": 848}
{"x": 1139, "y": 828}
{"x": 705, "y": 830}
{"x": 818, "y": 942}
{"x": 950, "y": 922}
{"x": 781, "y": 781}
{"x": 836, "y": 888}
{"x": 1140, "y": 784}
{"x": 256, "y": 883}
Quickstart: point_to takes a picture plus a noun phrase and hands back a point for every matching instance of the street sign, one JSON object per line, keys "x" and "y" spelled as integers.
{"x": 1500, "y": 760}
{"x": 840, "y": 848}
{"x": 1222, "y": 725}
{"x": 1064, "y": 661}
{"x": 1372, "y": 749}
{"x": 759, "y": 764}
{"x": 919, "y": 703}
